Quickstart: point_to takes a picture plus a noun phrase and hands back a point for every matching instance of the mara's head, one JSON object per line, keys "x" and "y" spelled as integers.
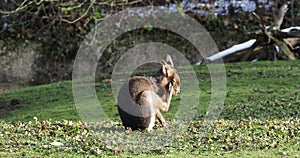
{"x": 170, "y": 75}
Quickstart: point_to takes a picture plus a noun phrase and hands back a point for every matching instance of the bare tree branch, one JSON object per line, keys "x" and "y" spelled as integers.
{"x": 280, "y": 16}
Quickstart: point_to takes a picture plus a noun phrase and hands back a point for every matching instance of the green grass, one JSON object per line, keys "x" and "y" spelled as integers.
{"x": 260, "y": 118}
{"x": 47, "y": 101}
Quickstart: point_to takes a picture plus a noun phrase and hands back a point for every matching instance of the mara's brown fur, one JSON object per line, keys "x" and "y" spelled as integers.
{"x": 141, "y": 98}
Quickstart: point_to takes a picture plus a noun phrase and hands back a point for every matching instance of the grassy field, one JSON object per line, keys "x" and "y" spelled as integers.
{"x": 260, "y": 118}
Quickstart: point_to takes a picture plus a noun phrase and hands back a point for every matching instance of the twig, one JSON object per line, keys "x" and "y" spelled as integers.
{"x": 25, "y": 5}
{"x": 261, "y": 21}
{"x": 82, "y": 16}
{"x": 68, "y": 7}
{"x": 21, "y": 7}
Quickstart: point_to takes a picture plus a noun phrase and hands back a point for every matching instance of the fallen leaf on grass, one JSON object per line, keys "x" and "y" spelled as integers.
{"x": 56, "y": 144}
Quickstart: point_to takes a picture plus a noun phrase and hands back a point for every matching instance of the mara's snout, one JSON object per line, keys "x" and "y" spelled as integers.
{"x": 176, "y": 92}
{"x": 175, "y": 85}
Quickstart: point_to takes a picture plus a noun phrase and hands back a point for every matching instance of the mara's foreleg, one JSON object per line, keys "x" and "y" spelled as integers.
{"x": 158, "y": 103}
{"x": 161, "y": 118}
{"x": 168, "y": 99}
{"x": 155, "y": 103}
{"x": 169, "y": 94}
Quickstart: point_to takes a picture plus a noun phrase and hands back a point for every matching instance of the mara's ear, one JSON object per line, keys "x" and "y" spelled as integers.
{"x": 169, "y": 60}
{"x": 167, "y": 70}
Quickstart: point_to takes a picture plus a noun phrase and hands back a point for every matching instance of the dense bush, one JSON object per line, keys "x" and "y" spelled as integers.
{"x": 61, "y": 25}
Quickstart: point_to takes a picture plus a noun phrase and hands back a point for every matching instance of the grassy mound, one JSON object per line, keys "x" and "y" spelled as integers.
{"x": 260, "y": 117}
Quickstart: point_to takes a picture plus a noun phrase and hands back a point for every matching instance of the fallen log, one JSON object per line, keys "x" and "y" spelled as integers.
{"x": 283, "y": 42}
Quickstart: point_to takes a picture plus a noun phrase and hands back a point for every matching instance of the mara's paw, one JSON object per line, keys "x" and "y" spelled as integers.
{"x": 164, "y": 124}
{"x": 165, "y": 107}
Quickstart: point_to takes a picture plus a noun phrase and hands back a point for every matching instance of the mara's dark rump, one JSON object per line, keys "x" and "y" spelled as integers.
{"x": 129, "y": 99}
{"x": 133, "y": 122}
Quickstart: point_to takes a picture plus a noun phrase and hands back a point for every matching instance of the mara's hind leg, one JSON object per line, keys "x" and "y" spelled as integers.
{"x": 152, "y": 123}
{"x": 148, "y": 111}
{"x": 151, "y": 102}
{"x": 158, "y": 103}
